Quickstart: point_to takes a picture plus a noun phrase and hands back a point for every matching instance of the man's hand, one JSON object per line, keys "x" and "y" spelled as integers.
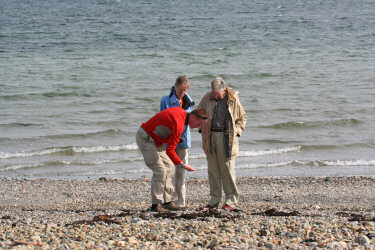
{"x": 189, "y": 168}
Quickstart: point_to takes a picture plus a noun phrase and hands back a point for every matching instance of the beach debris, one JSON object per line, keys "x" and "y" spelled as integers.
{"x": 355, "y": 217}
{"x": 20, "y": 242}
{"x": 201, "y": 215}
{"x": 274, "y": 212}
{"x": 107, "y": 218}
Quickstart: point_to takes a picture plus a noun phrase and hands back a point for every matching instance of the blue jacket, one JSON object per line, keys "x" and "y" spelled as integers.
{"x": 170, "y": 101}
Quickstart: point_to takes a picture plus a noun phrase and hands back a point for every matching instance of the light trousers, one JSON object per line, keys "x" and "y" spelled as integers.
{"x": 179, "y": 178}
{"x": 162, "y": 167}
{"x": 221, "y": 173}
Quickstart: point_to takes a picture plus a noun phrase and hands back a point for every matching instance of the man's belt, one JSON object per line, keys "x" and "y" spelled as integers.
{"x": 217, "y": 129}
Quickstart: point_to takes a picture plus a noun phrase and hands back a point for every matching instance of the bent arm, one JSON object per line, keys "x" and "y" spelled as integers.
{"x": 171, "y": 148}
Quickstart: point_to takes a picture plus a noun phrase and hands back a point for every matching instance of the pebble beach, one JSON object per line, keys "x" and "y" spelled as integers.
{"x": 273, "y": 213}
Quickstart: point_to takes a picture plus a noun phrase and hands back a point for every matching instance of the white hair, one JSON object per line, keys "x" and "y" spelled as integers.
{"x": 218, "y": 84}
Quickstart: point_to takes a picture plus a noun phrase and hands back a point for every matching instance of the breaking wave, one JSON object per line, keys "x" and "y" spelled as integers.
{"x": 69, "y": 150}
{"x": 311, "y": 125}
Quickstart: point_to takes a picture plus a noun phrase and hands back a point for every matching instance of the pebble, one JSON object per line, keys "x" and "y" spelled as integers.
{"x": 362, "y": 240}
{"x": 48, "y": 216}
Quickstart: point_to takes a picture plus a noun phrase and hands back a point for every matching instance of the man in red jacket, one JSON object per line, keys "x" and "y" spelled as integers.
{"x": 166, "y": 127}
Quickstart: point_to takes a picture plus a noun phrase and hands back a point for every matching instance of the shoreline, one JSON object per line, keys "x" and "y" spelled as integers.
{"x": 273, "y": 212}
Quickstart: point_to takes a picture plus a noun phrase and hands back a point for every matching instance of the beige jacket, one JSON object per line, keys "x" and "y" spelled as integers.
{"x": 237, "y": 125}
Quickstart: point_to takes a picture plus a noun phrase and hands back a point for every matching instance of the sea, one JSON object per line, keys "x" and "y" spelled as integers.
{"x": 78, "y": 77}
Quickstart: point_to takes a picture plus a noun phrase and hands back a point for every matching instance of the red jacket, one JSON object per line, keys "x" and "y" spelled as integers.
{"x": 171, "y": 123}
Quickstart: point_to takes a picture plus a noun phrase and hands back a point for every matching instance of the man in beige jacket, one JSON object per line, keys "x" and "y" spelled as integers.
{"x": 226, "y": 121}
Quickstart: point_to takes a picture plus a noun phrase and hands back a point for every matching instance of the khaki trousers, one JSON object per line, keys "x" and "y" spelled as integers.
{"x": 221, "y": 173}
{"x": 161, "y": 165}
{"x": 179, "y": 178}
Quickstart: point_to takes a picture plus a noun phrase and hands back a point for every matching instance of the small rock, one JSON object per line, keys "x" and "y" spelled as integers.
{"x": 362, "y": 240}
{"x": 134, "y": 220}
{"x": 343, "y": 245}
{"x": 213, "y": 243}
{"x": 36, "y": 238}
{"x": 132, "y": 241}
{"x": 312, "y": 234}
{"x": 306, "y": 225}
{"x": 333, "y": 245}
{"x": 270, "y": 246}
{"x": 90, "y": 244}
{"x": 110, "y": 243}
{"x": 120, "y": 243}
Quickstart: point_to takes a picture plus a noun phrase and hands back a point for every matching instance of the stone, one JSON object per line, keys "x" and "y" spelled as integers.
{"x": 110, "y": 243}
{"x": 362, "y": 240}
{"x": 134, "y": 220}
{"x": 305, "y": 225}
{"x": 270, "y": 246}
{"x": 213, "y": 243}
{"x": 90, "y": 244}
{"x": 132, "y": 240}
{"x": 36, "y": 238}
{"x": 120, "y": 243}
{"x": 336, "y": 245}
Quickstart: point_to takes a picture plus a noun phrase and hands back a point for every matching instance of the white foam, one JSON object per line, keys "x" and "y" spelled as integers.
{"x": 69, "y": 163}
{"x": 96, "y": 149}
{"x": 264, "y": 165}
{"x": 350, "y": 163}
{"x": 264, "y": 152}
{"x": 20, "y": 166}
{"x": 75, "y": 149}
{"x": 4, "y": 155}
{"x": 255, "y": 153}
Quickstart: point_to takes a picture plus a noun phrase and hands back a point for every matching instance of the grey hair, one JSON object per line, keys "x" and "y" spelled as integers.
{"x": 218, "y": 84}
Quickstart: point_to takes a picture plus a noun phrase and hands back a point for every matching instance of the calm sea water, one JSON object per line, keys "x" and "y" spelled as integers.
{"x": 78, "y": 77}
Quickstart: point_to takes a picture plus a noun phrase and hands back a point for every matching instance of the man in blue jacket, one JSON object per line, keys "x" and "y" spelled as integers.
{"x": 178, "y": 97}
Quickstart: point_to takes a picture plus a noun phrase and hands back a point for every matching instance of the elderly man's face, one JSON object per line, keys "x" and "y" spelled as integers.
{"x": 218, "y": 94}
{"x": 181, "y": 90}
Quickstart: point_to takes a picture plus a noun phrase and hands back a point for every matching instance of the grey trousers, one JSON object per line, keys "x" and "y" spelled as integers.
{"x": 161, "y": 165}
{"x": 179, "y": 178}
{"x": 221, "y": 173}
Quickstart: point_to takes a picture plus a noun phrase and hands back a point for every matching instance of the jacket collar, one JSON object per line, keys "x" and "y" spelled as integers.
{"x": 172, "y": 92}
{"x": 187, "y": 102}
{"x": 230, "y": 94}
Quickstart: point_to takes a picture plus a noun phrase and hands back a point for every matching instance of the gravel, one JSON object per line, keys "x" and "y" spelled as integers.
{"x": 273, "y": 213}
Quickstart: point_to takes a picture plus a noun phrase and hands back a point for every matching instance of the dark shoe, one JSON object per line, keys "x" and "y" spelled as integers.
{"x": 173, "y": 206}
{"x": 207, "y": 207}
{"x": 158, "y": 208}
{"x": 227, "y": 207}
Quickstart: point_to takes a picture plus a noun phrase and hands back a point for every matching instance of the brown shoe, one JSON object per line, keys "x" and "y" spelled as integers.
{"x": 158, "y": 208}
{"x": 173, "y": 206}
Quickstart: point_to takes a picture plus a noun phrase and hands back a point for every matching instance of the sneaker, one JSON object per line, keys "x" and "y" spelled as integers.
{"x": 172, "y": 206}
{"x": 158, "y": 208}
{"x": 227, "y": 207}
{"x": 207, "y": 207}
